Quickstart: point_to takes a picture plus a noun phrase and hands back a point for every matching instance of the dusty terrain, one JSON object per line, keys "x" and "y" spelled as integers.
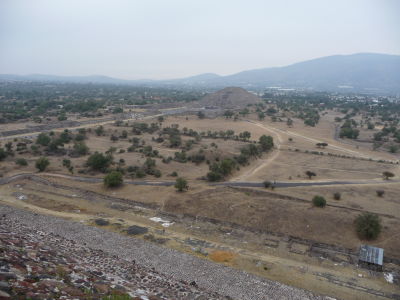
{"x": 271, "y": 233}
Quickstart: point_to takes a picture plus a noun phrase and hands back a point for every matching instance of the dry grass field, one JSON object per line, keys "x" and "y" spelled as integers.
{"x": 266, "y": 232}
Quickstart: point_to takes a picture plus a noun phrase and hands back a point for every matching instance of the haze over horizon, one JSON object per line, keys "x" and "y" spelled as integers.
{"x": 174, "y": 39}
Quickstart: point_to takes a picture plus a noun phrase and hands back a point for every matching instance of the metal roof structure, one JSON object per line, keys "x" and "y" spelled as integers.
{"x": 372, "y": 255}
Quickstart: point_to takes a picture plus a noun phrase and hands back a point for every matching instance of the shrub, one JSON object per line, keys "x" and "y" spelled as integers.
{"x": 42, "y": 163}
{"x": 267, "y": 184}
{"x": 99, "y": 161}
{"x": 319, "y": 201}
{"x": 113, "y": 179}
{"x": 368, "y": 226}
{"x": 380, "y": 193}
{"x": 80, "y": 148}
{"x": 337, "y": 196}
{"x": 214, "y": 176}
{"x": 181, "y": 184}
{"x": 174, "y": 174}
{"x": 21, "y": 162}
{"x": 43, "y": 139}
{"x": 101, "y": 222}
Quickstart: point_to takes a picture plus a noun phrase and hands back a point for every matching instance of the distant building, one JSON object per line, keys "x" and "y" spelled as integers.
{"x": 371, "y": 257}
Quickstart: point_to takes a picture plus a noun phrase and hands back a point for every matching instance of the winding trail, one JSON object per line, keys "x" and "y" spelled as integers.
{"x": 278, "y": 134}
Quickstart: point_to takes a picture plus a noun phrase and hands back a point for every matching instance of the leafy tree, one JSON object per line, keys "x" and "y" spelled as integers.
{"x": 261, "y": 115}
{"x": 380, "y": 193}
{"x": 42, "y": 163}
{"x": 113, "y": 179}
{"x": 98, "y": 161}
{"x": 175, "y": 140}
{"x": 245, "y": 135}
{"x": 43, "y": 139}
{"x": 266, "y": 142}
{"x": 201, "y": 115}
{"x": 181, "y": 184}
{"x": 368, "y": 226}
{"x": 387, "y": 175}
{"x": 310, "y": 174}
{"x": 319, "y": 201}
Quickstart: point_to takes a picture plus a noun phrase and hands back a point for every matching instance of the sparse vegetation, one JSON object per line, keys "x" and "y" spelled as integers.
{"x": 368, "y": 226}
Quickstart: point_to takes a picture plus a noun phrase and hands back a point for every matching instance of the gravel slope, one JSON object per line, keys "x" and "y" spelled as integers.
{"x": 208, "y": 276}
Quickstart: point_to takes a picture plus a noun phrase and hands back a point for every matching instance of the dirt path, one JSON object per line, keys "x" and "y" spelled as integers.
{"x": 264, "y": 162}
{"x": 278, "y": 134}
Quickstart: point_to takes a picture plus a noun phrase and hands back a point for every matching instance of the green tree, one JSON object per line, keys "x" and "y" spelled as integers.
{"x": 43, "y": 139}
{"x": 42, "y": 163}
{"x": 181, "y": 184}
{"x": 310, "y": 174}
{"x": 319, "y": 201}
{"x": 387, "y": 175}
{"x": 368, "y": 226}
{"x": 113, "y": 179}
{"x": 266, "y": 142}
{"x": 98, "y": 161}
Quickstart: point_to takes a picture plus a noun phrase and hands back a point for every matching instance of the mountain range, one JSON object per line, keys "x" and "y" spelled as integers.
{"x": 368, "y": 72}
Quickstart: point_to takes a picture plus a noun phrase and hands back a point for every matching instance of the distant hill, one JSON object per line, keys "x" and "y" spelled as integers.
{"x": 358, "y": 72}
{"x": 228, "y": 98}
{"x": 73, "y": 79}
{"x": 361, "y": 72}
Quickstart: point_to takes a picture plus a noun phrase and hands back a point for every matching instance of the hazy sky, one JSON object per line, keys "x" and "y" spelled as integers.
{"x": 175, "y": 38}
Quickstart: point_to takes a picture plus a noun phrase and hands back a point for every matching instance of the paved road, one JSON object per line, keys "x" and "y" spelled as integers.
{"x": 277, "y": 184}
{"x": 302, "y": 183}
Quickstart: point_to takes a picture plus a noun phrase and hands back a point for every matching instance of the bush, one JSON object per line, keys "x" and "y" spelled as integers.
{"x": 21, "y": 162}
{"x": 101, "y": 222}
{"x": 368, "y": 226}
{"x": 181, "y": 184}
{"x": 380, "y": 193}
{"x": 42, "y": 163}
{"x": 267, "y": 184}
{"x": 337, "y": 196}
{"x": 43, "y": 139}
{"x": 319, "y": 201}
{"x": 99, "y": 161}
{"x": 113, "y": 179}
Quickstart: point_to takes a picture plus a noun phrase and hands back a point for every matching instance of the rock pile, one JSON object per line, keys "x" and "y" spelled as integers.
{"x": 39, "y": 265}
